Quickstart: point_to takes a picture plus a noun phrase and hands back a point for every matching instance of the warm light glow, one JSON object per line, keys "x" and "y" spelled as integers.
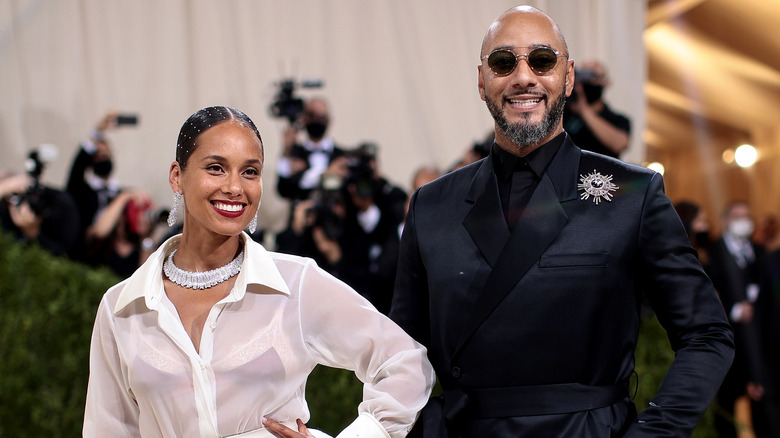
{"x": 745, "y": 155}
{"x": 658, "y": 167}
{"x": 728, "y": 156}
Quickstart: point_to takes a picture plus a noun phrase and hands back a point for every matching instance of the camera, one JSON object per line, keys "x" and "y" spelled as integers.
{"x": 332, "y": 197}
{"x": 328, "y": 209}
{"x": 285, "y": 103}
{"x": 592, "y": 89}
{"x": 34, "y": 165}
{"x": 360, "y": 165}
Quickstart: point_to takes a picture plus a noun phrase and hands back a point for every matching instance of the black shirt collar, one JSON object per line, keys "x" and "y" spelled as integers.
{"x": 506, "y": 163}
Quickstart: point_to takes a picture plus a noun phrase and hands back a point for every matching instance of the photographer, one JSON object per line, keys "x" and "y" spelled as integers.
{"x": 350, "y": 225}
{"x": 90, "y": 182}
{"x": 120, "y": 236}
{"x": 34, "y": 212}
{"x": 301, "y": 164}
{"x": 587, "y": 118}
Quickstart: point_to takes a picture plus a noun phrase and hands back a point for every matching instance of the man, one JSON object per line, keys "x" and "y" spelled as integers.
{"x": 592, "y": 125}
{"x": 301, "y": 165}
{"x": 90, "y": 181}
{"x": 523, "y": 273}
{"x": 739, "y": 271}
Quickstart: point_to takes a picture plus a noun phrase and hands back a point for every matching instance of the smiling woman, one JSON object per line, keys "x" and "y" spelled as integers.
{"x": 215, "y": 336}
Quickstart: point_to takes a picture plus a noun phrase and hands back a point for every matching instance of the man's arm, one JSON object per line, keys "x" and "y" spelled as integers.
{"x": 690, "y": 311}
{"x": 410, "y": 298}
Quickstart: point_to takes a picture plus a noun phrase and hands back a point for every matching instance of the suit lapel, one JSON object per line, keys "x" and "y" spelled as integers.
{"x": 485, "y": 221}
{"x": 541, "y": 222}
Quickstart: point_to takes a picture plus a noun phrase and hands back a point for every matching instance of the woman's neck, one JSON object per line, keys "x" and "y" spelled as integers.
{"x": 204, "y": 253}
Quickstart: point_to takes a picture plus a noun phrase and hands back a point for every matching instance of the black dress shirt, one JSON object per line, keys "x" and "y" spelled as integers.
{"x": 518, "y": 176}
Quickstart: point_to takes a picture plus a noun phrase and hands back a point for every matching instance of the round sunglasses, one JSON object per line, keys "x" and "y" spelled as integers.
{"x": 541, "y": 60}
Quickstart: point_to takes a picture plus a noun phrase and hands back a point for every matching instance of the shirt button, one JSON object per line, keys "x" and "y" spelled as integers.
{"x": 455, "y": 372}
{"x": 203, "y": 366}
{"x": 213, "y": 325}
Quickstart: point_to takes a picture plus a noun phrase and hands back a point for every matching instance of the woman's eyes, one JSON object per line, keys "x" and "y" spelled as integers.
{"x": 216, "y": 168}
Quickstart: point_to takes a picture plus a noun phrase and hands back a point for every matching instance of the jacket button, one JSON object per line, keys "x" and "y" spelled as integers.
{"x": 455, "y": 372}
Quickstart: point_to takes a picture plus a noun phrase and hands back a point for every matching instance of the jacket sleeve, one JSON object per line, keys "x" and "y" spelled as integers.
{"x": 687, "y": 306}
{"x": 410, "y": 308}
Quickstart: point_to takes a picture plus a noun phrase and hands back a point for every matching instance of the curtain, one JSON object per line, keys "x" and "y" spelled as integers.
{"x": 399, "y": 73}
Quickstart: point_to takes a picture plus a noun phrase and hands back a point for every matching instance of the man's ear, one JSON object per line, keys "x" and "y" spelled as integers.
{"x": 480, "y": 83}
{"x": 569, "y": 78}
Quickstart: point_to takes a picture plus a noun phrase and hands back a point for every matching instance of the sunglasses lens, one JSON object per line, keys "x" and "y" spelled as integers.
{"x": 502, "y": 62}
{"x": 542, "y": 60}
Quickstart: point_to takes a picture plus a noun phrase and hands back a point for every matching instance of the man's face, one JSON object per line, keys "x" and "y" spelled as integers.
{"x": 526, "y": 107}
{"x": 737, "y": 212}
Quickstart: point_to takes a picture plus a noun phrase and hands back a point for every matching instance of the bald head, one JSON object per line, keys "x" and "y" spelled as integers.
{"x": 523, "y": 18}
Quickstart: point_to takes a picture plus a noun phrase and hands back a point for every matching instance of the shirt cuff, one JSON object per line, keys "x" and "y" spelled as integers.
{"x": 364, "y": 426}
{"x": 89, "y": 145}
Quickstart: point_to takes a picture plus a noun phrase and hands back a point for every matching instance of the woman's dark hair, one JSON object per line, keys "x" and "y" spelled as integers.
{"x": 203, "y": 120}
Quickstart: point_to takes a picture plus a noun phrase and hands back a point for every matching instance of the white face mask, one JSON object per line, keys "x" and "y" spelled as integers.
{"x": 741, "y": 228}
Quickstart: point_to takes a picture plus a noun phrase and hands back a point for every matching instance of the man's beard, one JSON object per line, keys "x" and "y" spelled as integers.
{"x": 524, "y": 133}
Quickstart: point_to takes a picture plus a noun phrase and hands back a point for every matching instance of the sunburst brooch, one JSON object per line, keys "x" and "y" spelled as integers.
{"x": 597, "y": 185}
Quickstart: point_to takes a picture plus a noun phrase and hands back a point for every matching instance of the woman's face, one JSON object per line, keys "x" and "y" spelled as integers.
{"x": 221, "y": 183}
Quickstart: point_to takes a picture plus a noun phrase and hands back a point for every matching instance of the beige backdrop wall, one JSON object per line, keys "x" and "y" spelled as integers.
{"x": 400, "y": 73}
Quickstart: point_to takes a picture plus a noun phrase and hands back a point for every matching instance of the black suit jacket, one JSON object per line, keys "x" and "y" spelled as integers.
{"x": 570, "y": 313}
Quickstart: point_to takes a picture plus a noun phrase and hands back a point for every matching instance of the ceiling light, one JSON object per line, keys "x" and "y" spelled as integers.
{"x": 728, "y": 156}
{"x": 658, "y": 167}
{"x": 745, "y": 155}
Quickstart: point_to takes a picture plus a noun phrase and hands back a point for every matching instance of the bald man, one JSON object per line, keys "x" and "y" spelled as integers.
{"x": 523, "y": 273}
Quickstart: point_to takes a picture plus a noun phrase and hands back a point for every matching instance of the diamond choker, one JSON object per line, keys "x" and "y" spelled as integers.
{"x": 201, "y": 280}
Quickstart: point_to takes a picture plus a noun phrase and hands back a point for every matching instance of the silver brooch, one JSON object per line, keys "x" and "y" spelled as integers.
{"x": 596, "y": 185}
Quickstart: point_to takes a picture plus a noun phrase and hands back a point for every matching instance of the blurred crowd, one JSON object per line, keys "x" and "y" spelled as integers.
{"x": 94, "y": 219}
{"x": 743, "y": 262}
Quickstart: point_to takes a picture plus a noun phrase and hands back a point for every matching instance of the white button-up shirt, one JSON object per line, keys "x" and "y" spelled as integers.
{"x": 283, "y": 316}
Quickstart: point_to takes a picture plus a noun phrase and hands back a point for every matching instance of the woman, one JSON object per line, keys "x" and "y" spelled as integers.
{"x": 214, "y": 336}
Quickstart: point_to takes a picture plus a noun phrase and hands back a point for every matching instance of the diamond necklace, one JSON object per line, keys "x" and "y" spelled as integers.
{"x": 201, "y": 280}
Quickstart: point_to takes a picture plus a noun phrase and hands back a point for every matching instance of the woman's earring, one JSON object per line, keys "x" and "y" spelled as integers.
{"x": 253, "y": 223}
{"x": 172, "y": 215}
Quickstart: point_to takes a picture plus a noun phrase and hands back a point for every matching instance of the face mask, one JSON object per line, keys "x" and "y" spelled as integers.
{"x": 741, "y": 228}
{"x": 102, "y": 168}
{"x": 592, "y": 92}
{"x": 316, "y": 129}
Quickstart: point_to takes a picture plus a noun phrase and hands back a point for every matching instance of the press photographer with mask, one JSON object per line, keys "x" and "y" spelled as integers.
{"x": 349, "y": 225}
{"x": 301, "y": 164}
{"x": 90, "y": 182}
{"x": 589, "y": 121}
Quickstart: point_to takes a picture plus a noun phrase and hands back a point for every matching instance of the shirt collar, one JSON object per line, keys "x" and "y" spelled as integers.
{"x": 258, "y": 272}
{"x": 325, "y": 145}
{"x": 506, "y": 162}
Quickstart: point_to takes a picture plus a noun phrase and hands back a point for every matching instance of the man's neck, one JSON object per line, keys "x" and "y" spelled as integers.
{"x": 505, "y": 143}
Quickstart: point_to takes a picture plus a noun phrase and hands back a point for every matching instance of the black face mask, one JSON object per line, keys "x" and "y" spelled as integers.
{"x": 316, "y": 130}
{"x": 102, "y": 168}
{"x": 592, "y": 92}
